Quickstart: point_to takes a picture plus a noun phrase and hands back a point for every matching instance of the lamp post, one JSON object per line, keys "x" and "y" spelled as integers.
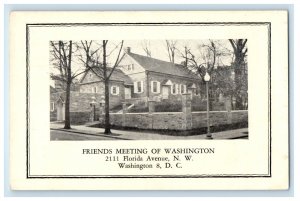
{"x": 208, "y": 134}
{"x": 93, "y": 104}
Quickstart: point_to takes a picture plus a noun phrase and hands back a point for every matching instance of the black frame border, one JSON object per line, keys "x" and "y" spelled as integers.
{"x": 29, "y": 176}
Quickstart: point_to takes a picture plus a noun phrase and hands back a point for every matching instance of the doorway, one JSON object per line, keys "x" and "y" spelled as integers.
{"x": 127, "y": 93}
{"x": 165, "y": 92}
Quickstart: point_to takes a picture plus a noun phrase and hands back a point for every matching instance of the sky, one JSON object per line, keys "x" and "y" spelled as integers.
{"x": 158, "y": 48}
{"x": 159, "y": 51}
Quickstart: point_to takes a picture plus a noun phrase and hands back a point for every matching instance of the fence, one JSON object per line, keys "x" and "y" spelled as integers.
{"x": 185, "y": 120}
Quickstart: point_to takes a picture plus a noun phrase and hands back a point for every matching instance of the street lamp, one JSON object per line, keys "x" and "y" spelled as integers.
{"x": 206, "y": 79}
{"x": 93, "y": 104}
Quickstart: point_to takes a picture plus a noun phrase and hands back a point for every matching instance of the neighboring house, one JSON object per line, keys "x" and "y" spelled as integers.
{"x": 120, "y": 85}
{"x": 89, "y": 92}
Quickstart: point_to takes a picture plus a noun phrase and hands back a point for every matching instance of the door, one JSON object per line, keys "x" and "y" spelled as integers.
{"x": 127, "y": 93}
{"x": 60, "y": 111}
{"x": 165, "y": 92}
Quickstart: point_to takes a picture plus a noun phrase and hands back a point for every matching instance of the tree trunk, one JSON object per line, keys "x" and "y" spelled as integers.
{"x": 239, "y": 52}
{"x": 68, "y": 89}
{"x": 67, "y": 107}
{"x": 237, "y": 80}
{"x": 107, "y": 118}
{"x": 106, "y": 90}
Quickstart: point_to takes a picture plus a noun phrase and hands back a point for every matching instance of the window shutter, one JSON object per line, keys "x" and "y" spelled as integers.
{"x": 142, "y": 86}
{"x": 152, "y": 87}
{"x": 176, "y": 89}
{"x": 117, "y": 90}
{"x": 158, "y": 87}
{"x": 135, "y": 87}
{"x": 112, "y": 90}
{"x": 52, "y": 106}
{"x": 184, "y": 88}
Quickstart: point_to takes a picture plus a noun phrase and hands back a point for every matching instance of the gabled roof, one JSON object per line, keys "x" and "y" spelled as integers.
{"x": 192, "y": 86}
{"x": 160, "y": 66}
{"x": 167, "y": 82}
{"x": 117, "y": 75}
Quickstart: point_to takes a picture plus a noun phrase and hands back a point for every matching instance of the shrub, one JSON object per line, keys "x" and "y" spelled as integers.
{"x": 168, "y": 107}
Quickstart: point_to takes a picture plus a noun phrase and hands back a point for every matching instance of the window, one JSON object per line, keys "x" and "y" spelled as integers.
{"x": 155, "y": 87}
{"x": 138, "y": 87}
{"x": 90, "y": 75}
{"x": 94, "y": 90}
{"x": 52, "y": 106}
{"x": 130, "y": 67}
{"x": 114, "y": 90}
{"x": 182, "y": 88}
{"x": 174, "y": 89}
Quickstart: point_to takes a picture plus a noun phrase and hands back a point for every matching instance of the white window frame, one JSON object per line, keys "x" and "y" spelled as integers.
{"x": 157, "y": 87}
{"x": 182, "y": 86}
{"x": 52, "y": 106}
{"x": 176, "y": 89}
{"x": 112, "y": 90}
{"x": 94, "y": 89}
{"x": 135, "y": 87}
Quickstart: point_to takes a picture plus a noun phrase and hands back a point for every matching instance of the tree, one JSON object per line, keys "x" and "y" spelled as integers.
{"x": 61, "y": 58}
{"x": 208, "y": 58}
{"x": 92, "y": 60}
{"x": 171, "y": 48}
{"x": 240, "y": 67}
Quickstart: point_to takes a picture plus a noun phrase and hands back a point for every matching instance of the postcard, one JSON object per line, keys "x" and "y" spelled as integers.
{"x": 152, "y": 100}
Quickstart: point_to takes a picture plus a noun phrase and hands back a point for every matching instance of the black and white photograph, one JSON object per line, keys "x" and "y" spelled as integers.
{"x": 148, "y": 89}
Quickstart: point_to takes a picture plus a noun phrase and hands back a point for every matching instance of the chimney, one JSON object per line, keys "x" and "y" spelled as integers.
{"x": 127, "y": 49}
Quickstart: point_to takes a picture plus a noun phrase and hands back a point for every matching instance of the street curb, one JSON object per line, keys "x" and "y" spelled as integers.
{"x": 80, "y": 132}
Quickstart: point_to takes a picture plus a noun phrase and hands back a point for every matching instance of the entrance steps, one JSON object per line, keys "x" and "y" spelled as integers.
{"x": 128, "y": 108}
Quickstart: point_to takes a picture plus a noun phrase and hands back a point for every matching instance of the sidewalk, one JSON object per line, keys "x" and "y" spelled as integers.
{"x": 139, "y": 135}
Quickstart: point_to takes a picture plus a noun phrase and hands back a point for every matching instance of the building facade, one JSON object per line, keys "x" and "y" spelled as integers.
{"x": 136, "y": 80}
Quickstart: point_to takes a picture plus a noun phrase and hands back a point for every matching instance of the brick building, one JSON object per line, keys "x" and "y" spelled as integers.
{"x": 136, "y": 80}
{"x": 158, "y": 80}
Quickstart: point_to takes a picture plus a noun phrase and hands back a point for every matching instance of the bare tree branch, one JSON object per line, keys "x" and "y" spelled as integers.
{"x": 117, "y": 60}
{"x": 171, "y": 48}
